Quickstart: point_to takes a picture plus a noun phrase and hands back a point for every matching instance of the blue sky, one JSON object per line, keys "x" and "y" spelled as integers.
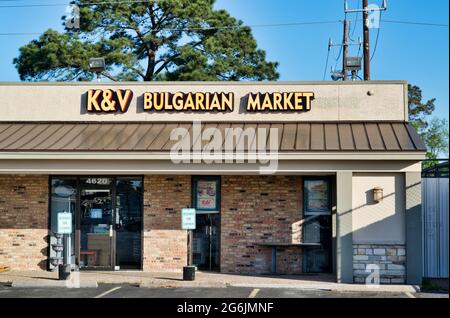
{"x": 418, "y": 54}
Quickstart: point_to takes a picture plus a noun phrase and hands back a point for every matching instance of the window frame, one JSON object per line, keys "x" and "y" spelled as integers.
{"x": 305, "y": 196}
{"x": 217, "y": 180}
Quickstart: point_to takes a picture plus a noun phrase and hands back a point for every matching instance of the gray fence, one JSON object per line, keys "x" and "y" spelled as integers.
{"x": 435, "y": 225}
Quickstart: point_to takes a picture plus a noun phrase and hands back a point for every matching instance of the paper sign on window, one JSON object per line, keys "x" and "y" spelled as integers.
{"x": 206, "y": 194}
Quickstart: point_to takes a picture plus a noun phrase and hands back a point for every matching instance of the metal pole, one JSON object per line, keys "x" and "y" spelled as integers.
{"x": 210, "y": 245}
{"x": 345, "y": 49}
{"x": 366, "y": 40}
{"x": 189, "y": 250}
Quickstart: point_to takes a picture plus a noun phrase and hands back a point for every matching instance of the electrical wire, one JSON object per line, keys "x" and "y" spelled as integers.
{"x": 145, "y": 1}
{"x": 213, "y": 28}
{"x": 326, "y": 64}
{"x": 356, "y": 20}
{"x": 376, "y": 40}
{"x": 67, "y": 4}
{"x": 417, "y": 23}
{"x": 339, "y": 56}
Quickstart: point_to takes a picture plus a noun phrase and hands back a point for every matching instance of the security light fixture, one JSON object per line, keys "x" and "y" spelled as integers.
{"x": 97, "y": 64}
{"x": 377, "y": 194}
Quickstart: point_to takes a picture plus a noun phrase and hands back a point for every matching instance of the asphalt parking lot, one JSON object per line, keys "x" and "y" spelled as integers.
{"x": 130, "y": 291}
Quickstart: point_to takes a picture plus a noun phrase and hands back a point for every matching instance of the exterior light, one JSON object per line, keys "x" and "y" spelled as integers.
{"x": 377, "y": 194}
{"x": 97, "y": 64}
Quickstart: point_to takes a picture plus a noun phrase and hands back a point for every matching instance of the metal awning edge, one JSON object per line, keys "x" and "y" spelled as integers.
{"x": 323, "y": 155}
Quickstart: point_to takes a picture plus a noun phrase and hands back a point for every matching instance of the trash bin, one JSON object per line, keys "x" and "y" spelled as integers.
{"x": 189, "y": 273}
{"x": 63, "y": 272}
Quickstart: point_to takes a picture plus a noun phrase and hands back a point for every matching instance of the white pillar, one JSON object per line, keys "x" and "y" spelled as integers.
{"x": 344, "y": 235}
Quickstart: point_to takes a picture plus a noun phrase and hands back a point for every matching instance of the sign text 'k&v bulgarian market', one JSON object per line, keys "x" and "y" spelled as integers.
{"x": 112, "y": 101}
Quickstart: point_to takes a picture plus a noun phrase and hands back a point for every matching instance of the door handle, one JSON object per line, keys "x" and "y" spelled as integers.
{"x": 111, "y": 231}
{"x": 118, "y": 223}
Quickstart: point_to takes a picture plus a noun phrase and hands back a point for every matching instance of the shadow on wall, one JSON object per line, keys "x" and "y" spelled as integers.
{"x": 377, "y": 226}
{"x": 23, "y": 249}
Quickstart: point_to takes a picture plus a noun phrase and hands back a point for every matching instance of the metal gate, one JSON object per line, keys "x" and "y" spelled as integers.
{"x": 435, "y": 222}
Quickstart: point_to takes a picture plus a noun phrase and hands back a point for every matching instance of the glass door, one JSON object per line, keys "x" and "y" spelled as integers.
{"x": 96, "y": 228}
{"x": 206, "y": 242}
{"x": 128, "y": 223}
{"x": 317, "y": 225}
{"x": 206, "y": 236}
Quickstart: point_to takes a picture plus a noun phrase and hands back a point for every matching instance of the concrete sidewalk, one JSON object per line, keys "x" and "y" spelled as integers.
{"x": 203, "y": 279}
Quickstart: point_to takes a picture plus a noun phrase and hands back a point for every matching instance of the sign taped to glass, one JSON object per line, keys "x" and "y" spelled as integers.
{"x": 64, "y": 223}
{"x": 206, "y": 194}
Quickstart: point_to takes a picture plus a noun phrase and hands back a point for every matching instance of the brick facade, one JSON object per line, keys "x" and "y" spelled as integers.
{"x": 257, "y": 209}
{"x": 24, "y": 221}
{"x": 164, "y": 244}
{"x": 390, "y": 259}
{"x": 254, "y": 209}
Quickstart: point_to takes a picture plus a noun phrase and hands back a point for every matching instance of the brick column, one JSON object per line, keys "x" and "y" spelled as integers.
{"x": 24, "y": 221}
{"x": 164, "y": 243}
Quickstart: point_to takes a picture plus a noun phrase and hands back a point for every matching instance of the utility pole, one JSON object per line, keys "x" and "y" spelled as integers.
{"x": 366, "y": 40}
{"x": 366, "y": 25}
{"x": 345, "y": 50}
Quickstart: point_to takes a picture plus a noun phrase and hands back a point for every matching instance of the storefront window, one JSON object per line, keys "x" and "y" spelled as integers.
{"x": 63, "y": 199}
{"x": 206, "y": 194}
{"x": 106, "y": 220}
{"x": 317, "y": 196}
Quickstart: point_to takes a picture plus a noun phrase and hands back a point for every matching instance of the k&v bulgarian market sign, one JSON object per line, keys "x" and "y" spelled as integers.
{"x": 119, "y": 100}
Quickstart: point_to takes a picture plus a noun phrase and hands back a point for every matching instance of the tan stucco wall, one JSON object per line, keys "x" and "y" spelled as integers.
{"x": 333, "y": 101}
{"x": 286, "y": 167}
{"x": 382, "y": 222}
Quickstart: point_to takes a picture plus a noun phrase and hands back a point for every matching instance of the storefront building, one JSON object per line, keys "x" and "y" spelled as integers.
{"x": 342, "y": 194}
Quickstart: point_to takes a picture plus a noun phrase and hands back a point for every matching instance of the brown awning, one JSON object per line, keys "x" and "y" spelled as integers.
{"x": 155, "y": 137}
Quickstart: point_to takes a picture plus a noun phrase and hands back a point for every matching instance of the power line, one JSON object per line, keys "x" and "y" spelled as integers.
{"x": 67, "y": 4}
{"x": 354, "y": 24}
{"x": 253, "y": 26}
{"x": 376, "y": 40}
{"x": 417, "y": 23}
{"x": 326, "y": 63}
{"x": 209, "y": 28}
{"x": 339, "y": 56}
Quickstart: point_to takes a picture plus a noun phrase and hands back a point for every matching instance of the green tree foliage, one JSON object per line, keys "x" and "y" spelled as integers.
{"x": 418, "y": 110}
{"x": 433, "y": 132}
{"x": 148, "y": 40}
{"x": 435, "y": 137}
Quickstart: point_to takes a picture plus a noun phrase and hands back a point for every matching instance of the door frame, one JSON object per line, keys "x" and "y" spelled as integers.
{"x": 77, "y": 230}
{"x": 329, "y": 181}
{"x": 112, "y": 239}
{"x": 218, "y": 180}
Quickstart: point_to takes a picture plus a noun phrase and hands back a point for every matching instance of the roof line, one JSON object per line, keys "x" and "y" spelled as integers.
{"x": 200, "y": 83}
{"x": 242, "y": 121}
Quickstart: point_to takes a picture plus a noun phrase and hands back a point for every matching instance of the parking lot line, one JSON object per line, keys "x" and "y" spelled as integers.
{"x": 253, "y": 293}
{"x": 108, "y": 292}
{"x": 410, "y": 295}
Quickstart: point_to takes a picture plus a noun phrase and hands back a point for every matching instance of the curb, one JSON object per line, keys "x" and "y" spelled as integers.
{"x": 379, "y": 288}
{"x": 146, "y": 285}
{"x": 52, "y": 284}
{"x": 285, "y": 286}
{"x": 339, "y": 287}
